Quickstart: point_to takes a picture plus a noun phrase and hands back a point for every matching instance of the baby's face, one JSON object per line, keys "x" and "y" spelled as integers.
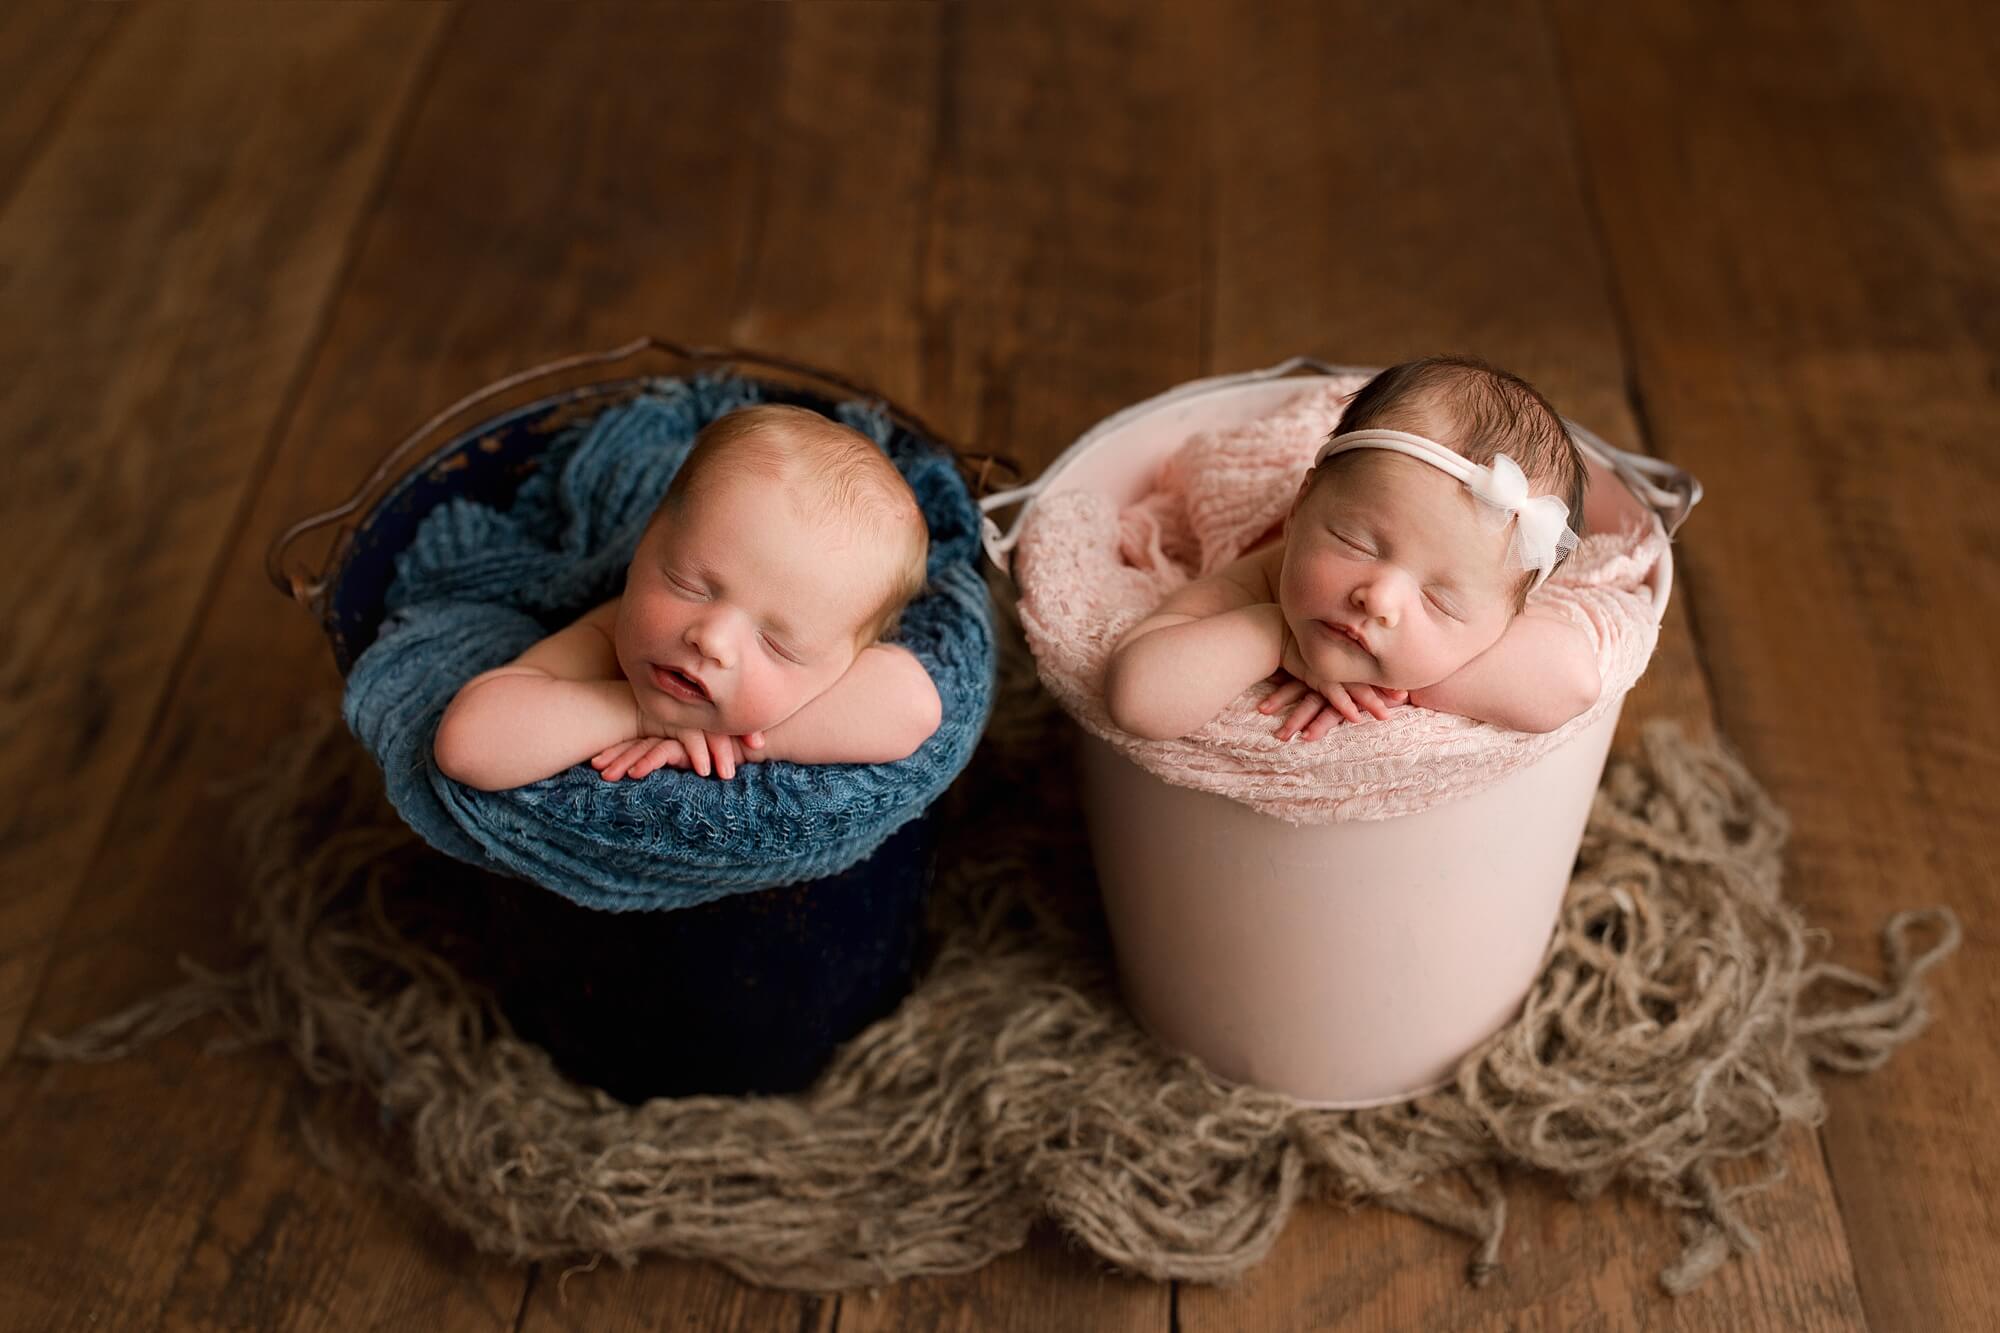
{"x": 1390, "y": 575}
{"x": 737, "y": 610}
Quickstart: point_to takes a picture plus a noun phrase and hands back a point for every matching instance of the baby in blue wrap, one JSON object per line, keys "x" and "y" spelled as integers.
{"x": 749, "y": 629}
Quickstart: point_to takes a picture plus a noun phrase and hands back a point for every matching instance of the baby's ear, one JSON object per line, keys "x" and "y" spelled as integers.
{"x": 1305, "y": 484}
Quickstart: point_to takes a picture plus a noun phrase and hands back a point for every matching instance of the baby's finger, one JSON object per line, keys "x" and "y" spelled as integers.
{"x": 1342, "y": 701}
{"x": 1284, "y": 696}
{"x": 610, "y": 754}
{"x": 1305, "y": 711}
{"x": 654, "y": 759}
{"x": 753, "y": 740}
{"x": 1325, "y": 722}
{"x": 619, "y": 764}
{"x": 1366, "y": 696}
{"x": 725, "y": 756}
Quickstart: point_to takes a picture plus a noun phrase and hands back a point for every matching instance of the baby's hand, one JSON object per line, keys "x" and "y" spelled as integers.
{"x": 699, "y": 750}
{"x": 1319, "y": 712}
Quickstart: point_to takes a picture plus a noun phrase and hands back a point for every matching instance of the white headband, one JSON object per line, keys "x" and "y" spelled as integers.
{"x": 1541, "y": 523}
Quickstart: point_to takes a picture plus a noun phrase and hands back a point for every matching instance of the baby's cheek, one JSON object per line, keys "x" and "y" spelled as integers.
{"x": 1439, "y": 661}
{"x": 762, "y": 701}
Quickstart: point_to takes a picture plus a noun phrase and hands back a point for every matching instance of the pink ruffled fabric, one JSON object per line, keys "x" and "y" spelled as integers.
{"x": 1088, "y": 572}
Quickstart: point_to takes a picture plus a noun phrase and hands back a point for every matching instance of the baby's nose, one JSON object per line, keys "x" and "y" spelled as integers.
{"x": 1381, "y": 599}
{"x": 711, "y": 639}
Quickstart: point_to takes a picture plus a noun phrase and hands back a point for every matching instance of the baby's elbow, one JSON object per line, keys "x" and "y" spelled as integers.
{"x": 463, "y": 753}
{"x": 455, "y": 754}
{"x": 1149, "y": 723}
{"x": 1585, "y": 685}
{"x": 923, "y": 714}
{"x": 912, "y": 716}
{"x": 1130, "y": 705}
{"x": 1589, "y": 686}
{"x": 1570, "y": 697}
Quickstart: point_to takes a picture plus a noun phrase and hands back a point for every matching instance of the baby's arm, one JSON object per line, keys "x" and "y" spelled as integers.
{"x": 881, "y": 710}
{"x": 1540, "y": 674}
{"x": 1206, "y": 644}
{"x": 555, "y": 705}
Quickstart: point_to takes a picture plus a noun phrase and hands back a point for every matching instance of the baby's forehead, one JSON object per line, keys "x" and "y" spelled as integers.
{"x": 1421, "y": 507}
{"x": 758, "y": 506}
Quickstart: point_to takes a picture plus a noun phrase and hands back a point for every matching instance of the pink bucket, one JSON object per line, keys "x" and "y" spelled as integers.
{"x": 1349, "y": 964}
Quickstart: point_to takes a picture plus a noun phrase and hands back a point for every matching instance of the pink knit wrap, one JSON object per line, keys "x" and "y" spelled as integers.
{"x": 1088, "y": 572}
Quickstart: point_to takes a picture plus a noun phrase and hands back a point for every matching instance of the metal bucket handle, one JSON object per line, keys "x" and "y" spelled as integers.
{"x": 310, "y": 590}
{"x": 1670, "y": 492}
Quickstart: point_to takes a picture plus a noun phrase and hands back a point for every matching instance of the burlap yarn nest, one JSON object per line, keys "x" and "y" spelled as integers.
{"x": 1673, "y": 1035}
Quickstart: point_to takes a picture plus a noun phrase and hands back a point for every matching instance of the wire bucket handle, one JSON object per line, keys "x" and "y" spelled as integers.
{"x": 310, "y": 589}
{"x": 1670, "y": 492}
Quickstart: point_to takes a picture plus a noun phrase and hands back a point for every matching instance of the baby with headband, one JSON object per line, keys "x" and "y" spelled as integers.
{"x": 750, "y": 627}
{"x": 1441, "y": 501}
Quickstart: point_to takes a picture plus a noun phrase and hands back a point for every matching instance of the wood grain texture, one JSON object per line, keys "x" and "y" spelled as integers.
{"x": 166, "y": 264}
{"x": 45, "y": 46}
{"x": 666, "y": 1296}
{"x": 1063, "y": 274}
{"x": 1390, "y": 212}
{"x": 1799, "y": 204}
{"x": 848, "y": 151}
{"x": 1047, "y": 1286}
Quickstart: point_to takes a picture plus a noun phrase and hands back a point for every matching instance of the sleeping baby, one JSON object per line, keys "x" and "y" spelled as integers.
{"x": 749, "y": 629}
{"x": 1402, "y": 574}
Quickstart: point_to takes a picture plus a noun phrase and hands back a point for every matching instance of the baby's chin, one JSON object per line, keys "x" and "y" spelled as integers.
{"x": 1367, "y": 670}
{"x": 1348, "y": 665}
{"x": 672, "y": 714}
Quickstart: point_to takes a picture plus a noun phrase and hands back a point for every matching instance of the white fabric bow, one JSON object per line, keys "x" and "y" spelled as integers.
{"x": 1541, "y": 523}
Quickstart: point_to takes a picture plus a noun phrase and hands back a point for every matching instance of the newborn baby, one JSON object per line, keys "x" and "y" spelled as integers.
{"x": 1402, "y": 574}
{"x": 749, "y": 627}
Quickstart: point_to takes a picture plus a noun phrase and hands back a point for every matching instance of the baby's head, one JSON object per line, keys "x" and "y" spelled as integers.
{"x": 786, "y": 544}
{"x": 1395, "y": 572}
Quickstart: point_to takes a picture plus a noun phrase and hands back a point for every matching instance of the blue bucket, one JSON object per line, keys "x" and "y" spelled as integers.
{"x": 750, "y": 993}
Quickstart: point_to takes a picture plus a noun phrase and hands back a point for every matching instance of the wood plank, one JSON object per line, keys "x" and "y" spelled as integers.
{"x": 1063, "y": 273}
{"x": 668, "y": 1297}
{"x": 1799, "y": 204}
{"x": 844, "y": 192}
{"x": 167, "y": 263}
{"x": 45, "y": 45}
{"x": 1048, "y": 1285}
{"x": 1373, "y": 217}
{"x": 284, "y": 1244}
{"x": 525, "y": 218}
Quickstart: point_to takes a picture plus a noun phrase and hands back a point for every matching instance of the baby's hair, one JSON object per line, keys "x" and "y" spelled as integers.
{"x": 1481, "y": 412}
{"x": 836, "y": 470}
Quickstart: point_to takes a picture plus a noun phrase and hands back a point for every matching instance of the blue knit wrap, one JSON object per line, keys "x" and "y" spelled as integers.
{"x": 478, "y": 585}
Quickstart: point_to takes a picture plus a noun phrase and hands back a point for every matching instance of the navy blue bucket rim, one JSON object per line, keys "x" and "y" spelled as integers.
{"x": 456, "y": 431}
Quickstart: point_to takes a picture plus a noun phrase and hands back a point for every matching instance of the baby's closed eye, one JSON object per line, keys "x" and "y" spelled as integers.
{"x": 1444, "y": 604}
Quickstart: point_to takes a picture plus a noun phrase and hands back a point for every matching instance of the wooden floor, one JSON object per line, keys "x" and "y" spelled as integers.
{"x": 243, "y": 248}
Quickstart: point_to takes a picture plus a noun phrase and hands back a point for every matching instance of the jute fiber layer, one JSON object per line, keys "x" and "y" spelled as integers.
{"x": 1674, "y": 1034}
